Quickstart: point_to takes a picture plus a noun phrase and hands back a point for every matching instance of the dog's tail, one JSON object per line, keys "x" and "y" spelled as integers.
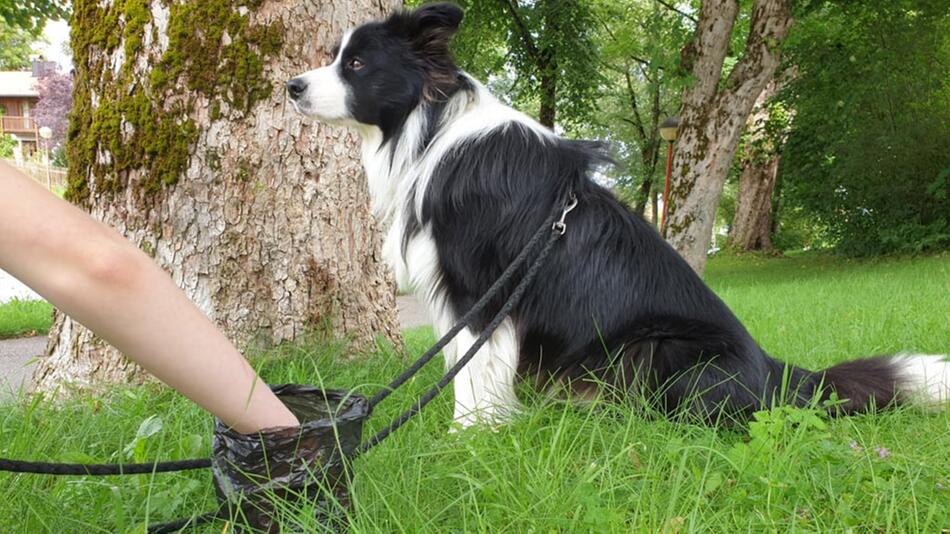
{"x": 882, "y": 381}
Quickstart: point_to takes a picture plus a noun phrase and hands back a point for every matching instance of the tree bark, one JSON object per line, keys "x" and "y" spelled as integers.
{"x": 643, "y": 195}
{"x": 544, "y": 59}
{"x": 714, "y": 113}
{"x": 752, "y": 224}
{"x": 647, "y": 135}
{"x": 547, "y": 112}
{"x": 182, "y": 139}
{"x": 549, "y": 70}
{"x": 655, "y": 208}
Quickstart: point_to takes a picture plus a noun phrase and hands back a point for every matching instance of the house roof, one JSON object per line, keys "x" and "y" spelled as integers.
{"x": 17, "y": 83}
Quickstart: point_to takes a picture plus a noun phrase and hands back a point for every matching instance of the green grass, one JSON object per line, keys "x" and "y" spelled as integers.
{"x": 25, "y": 318}
{"x": 559, "y": 468}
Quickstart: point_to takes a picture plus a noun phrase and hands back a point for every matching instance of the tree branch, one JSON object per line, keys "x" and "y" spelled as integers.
{"x": 529, "y": 44}
{"x": 642, "y": 63}
{"x": 610, "y": 32}
{"x": 677, "y": 11}
{"x": 633, "y": 106}
{"x": 769, "y": 26}
{"x": 704, "y": 55}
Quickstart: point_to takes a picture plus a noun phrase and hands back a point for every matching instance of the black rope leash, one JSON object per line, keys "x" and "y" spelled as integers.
{"x": 44, "y": 468}
{"x": 513, "y": 301}
{"x": 492, "y": 292}
{"x": 553, "y": 227}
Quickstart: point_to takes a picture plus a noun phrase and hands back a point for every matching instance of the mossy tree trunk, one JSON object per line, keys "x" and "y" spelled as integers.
{"x": 181, "y": 138}
{"x": 752, "y": 224}
{"x": 714, "y": 113}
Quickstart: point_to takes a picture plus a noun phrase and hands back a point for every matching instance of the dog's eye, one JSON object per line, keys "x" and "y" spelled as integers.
{"x": 355, "y": 63}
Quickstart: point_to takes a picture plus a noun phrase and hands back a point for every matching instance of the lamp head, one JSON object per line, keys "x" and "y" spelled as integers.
{"x": 668, "y": 129}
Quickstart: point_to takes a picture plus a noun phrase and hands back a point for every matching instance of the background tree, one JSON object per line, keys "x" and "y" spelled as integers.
{"x": 715, "y": 111}
{"x": 31, "y": 15}
{"x": 758, "y": 158}
{"x": 867, "y": 162}
{"x": 56, "y": 99}
{"x": 16, "y": 47}
{"x": 7, "y": 144}
{"x": 641, "y": 86}
{"x": 540, "y": 56}
{"x": 181, "y": 137}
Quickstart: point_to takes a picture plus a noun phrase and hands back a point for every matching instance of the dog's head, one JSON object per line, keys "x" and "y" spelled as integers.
{"x": 384, "y": 69}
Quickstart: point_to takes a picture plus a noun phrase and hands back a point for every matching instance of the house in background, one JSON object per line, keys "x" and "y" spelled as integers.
{"x": 18, "y": 96}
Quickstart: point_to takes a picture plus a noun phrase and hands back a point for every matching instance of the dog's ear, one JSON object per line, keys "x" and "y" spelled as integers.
{"x": 428, "y": 30}
{"x": 433, "y": 25}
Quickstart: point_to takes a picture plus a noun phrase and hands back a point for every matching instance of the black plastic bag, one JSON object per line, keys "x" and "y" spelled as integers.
{"x": 251, "y": 471}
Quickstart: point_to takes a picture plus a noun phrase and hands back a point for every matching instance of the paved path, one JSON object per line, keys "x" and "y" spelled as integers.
{"x": 411, "y": 312}
{"x": 14, "y": 355}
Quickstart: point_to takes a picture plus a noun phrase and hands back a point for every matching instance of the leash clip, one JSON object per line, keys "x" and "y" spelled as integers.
{"x": 560, "y": 226}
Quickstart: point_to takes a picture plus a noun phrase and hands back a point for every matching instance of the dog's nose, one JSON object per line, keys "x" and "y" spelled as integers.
{"x": 296, "y": 87}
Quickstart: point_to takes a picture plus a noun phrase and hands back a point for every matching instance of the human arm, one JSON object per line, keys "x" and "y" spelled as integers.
{"x": 94, "y": 275}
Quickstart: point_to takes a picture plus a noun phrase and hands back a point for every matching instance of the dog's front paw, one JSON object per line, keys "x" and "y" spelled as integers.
{"x": 491, "y": 417}
{"x": 456, "y": 428}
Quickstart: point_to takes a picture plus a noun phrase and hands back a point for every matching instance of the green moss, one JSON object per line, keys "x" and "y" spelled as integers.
{"x": 244, "y": 171}
{"x": 215, "y": 113}
{"x": 147, "y": 248}
{"x": 137, "y": 15}
{"x": 232, "y": 72}
{"x": 213, "y": 51}
{"x": 213, "y": 159}
{"x": 168, "y": 146}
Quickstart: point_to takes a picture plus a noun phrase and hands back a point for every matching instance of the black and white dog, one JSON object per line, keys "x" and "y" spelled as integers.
{"x": 461, "y": 181}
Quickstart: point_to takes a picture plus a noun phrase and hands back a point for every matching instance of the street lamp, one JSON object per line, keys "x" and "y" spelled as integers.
{"x": 47, "y": 133}
{"x": 668, "y": 132}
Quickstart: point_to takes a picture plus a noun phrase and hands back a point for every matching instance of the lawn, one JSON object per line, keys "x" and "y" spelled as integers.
{"x": 25, "y": 318}
{"x": 559, "y": 468}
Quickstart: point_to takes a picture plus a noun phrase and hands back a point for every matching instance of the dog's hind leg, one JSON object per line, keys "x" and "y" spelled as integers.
{"x": 485, "y": 388}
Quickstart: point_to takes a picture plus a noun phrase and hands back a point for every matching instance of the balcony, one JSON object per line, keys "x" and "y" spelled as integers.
{"x": 17, "y": 125}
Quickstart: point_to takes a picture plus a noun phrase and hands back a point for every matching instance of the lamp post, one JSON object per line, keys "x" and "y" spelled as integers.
{"x": 47, "y": 133}
{"x": 668, "y": 133}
